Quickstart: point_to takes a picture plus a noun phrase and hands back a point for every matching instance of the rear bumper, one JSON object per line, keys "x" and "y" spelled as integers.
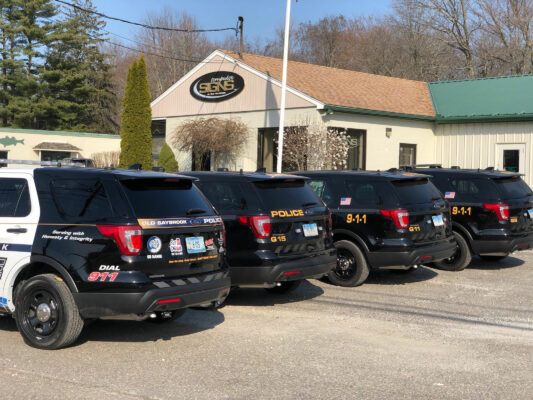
{"x": 294, "y": 268}
{"x": 502, "y": 244}
{"x": 163, "y": 298}
{"x": 403, "y": 259}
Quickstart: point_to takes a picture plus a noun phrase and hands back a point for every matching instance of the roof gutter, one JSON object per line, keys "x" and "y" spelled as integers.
{"x": 331, "y": 109}
{"x": 483, "y": 118}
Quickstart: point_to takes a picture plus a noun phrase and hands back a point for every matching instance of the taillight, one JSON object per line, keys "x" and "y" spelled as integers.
{"x": 223, "y": 235}
{"x": 399, "y": 217}
{"x": 260, "y": 225}
{"x": 328, "y": 223}
{"x": 501, "y": 210}
{"x": 127, "y": 237}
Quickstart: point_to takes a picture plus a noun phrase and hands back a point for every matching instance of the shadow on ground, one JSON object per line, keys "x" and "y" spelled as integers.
{"x": 260, "y": 297}
{"x": 7, "y": 323}
{"x": 507, "y": 262}
{"x": 397, "y": 277}
{"x": 191, "y": 322}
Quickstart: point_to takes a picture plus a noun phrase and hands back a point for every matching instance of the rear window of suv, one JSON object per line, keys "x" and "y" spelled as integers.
{"x": 165, "y": 198}
{"x": 415, "y": 191}
{"x": 278, "y": 194}
{"x": 512, "y": 187}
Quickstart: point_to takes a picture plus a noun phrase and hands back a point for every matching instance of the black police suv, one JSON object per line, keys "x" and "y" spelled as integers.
{"x": 83, "y": 243}
{"x": 491, "y": 211}
{"x": 383, "y": 220}
{"x": 278, "y": 231}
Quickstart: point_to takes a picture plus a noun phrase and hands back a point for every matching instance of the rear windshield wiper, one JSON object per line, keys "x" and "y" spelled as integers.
{"x": 191, "y": 211}
{"x": 309, "y": 204}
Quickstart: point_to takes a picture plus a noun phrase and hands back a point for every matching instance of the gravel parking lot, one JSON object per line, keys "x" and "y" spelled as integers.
{"x": 426, "y": 334}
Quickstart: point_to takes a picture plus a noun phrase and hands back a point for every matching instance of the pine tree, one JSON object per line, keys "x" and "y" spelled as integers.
{"x": 78, "y": 75}
{"x": 28, "y": 108}
{"x": 167, "y": 159}
{"x": 136, "y": 143}
{"x": 10, "y": 64}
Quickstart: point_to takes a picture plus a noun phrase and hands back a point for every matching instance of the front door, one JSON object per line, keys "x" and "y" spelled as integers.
{"x": 19, "y": 216}
{"x": 511, "y": 157}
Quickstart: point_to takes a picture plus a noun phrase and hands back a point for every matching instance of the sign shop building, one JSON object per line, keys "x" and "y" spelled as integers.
{"x": 388, "y": 121}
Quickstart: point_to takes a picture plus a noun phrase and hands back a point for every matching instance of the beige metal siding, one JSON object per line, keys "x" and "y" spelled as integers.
{"x": 475, "y": 145}
{"x": 258, "y": 94}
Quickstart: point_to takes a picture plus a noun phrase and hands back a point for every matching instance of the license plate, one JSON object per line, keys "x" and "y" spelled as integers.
{"x": 437, "y": 220}
{"x": 195, "y": 244}
{"x": 530, "y": 211}
{"x": 310, "y": 230}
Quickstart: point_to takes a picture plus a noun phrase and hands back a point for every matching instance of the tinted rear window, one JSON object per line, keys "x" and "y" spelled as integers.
{"x": 415, "y": 191}
{"x": 512, "y": 188}
{"x": 165, "y": 198}
{"x": 365, "y": 194}
{"x": 230, "y": 197}
{"x": 473, "y": 190}
{"x": 285, "y": 194}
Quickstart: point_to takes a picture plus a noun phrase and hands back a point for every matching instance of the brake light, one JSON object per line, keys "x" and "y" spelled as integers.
{"x": 224, "y": 235}
{"x": 260, "y": 225}
{"x": 328, "y": 223}
{"x": 127, "y": 237}
{"x": 399, "y": 217}
{"x": 501, "y": 210}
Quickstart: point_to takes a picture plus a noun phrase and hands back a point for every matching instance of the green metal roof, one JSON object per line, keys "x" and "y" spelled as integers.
{"x": 506, "y": 98}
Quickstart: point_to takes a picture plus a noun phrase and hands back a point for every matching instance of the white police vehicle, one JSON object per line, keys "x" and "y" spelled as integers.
{"x": 82, "y": 243}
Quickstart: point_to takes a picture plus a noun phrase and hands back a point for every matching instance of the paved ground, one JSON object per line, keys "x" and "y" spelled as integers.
{"x": 428, "y": 334}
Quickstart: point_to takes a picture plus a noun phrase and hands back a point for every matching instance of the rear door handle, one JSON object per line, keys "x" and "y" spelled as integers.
{"x": 17, "y": 230}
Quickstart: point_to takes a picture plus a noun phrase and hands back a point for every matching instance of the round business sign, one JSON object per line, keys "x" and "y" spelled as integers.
{"x": 217, "y": 86}
{"x": 154, "y": 244}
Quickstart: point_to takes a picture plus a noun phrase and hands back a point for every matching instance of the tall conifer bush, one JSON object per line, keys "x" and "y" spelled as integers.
{"x": 136, "y": 135}
{"x": 167, "y": 159}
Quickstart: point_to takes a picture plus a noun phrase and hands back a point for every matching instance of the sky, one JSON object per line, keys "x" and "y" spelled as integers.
{"x": 261, "y": 18}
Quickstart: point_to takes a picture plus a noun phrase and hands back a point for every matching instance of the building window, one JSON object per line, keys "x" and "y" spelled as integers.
{"x": 267, "y": 149}
{"x": 3, "y": 155}
{"x": 357, "y": 148}
{"x": 54, "y": 156}
{"x": 407, "y": 154}
{"x": 511, "y": 160}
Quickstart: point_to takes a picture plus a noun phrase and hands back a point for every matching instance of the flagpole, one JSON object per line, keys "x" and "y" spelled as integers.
{"x": 283, "y": 85}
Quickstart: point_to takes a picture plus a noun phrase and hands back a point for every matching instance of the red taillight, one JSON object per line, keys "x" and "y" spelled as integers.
{"x": 127, "y": 237}
{"x": 501, "y": 210}
{"x": 328, "y": 222}
{"x": 399, "y": 217}
{"x": 260, "y": 225}
{"x": 223, "y": 235}
{"x": 168, "y": 301}
{"x": 291, "y": 272}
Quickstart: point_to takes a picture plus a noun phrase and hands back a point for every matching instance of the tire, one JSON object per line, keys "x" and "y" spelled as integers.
{"x": 167, "y": 316}
{"x": 492, "y": 258}
{"x": 460, "y": 260}
{"x": 47, "y": 316}
{"x": 352, "y": 268}
{"x": 285, "y": 287}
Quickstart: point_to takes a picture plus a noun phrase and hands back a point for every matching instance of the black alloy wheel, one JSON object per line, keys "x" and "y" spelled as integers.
{"x": 352, "y": 268}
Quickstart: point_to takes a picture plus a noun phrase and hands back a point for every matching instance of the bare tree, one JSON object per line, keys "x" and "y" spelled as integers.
{"x": 508, "y": 46}
{"x": 190, "y": 47}
{"x": 106, "y": 158}
{"x": 221, "y": 138}
{"x": 320, "y": 42}
{"x": 456, "y": 23}
{"x": 311, "y": 145}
